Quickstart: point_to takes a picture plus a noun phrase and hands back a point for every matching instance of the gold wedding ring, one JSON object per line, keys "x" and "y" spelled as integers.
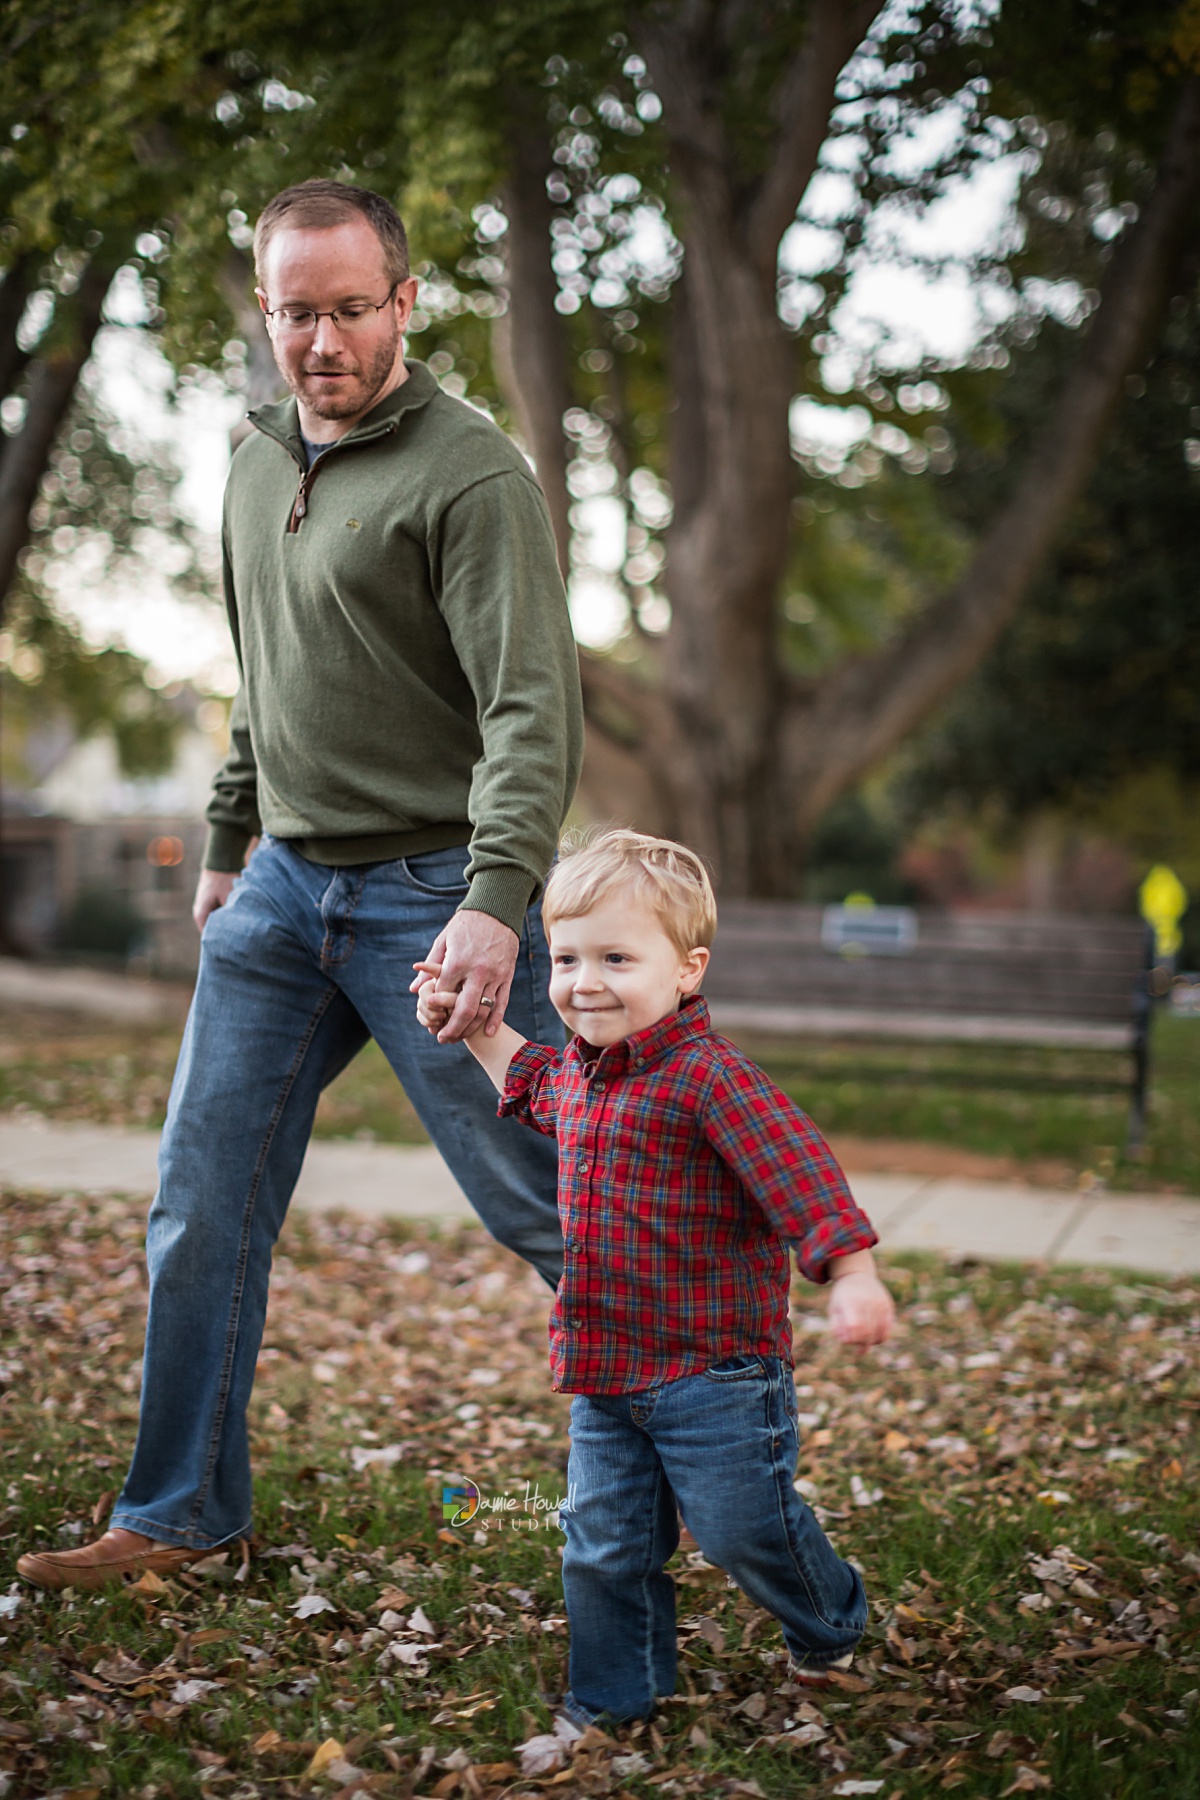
{"x": 484, "y": 1002}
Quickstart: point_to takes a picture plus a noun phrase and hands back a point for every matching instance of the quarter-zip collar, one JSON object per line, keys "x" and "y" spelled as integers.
{"x": 642, "y": 1048}
{"x": 281, "y": 420}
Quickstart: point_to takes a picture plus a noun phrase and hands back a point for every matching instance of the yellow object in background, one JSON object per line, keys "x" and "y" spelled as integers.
{"x": 1164, "y": 900}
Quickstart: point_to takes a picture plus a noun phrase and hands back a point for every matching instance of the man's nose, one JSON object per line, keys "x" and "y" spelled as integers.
{"x": 326, "y": 339}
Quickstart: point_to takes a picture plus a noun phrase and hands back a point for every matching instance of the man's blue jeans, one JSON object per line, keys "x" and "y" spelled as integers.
{"x": 299, "y": 967}
{"x": 721, "y": 1446}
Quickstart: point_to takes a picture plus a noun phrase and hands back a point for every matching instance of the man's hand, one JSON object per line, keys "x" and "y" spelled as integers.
{"x": 477, "y": 955}
{"x": 860, "y": 1307}
{"x": 212, "y": 891}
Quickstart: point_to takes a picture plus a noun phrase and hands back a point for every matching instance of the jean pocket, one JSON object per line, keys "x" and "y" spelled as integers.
{"x": 438, "y": 872}
{"x": 742, "y": 1367}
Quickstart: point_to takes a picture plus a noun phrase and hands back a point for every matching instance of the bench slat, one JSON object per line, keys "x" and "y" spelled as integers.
{"x": 819, "y": 1021}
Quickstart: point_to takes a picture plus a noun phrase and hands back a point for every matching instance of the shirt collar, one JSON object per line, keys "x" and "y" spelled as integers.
{"x": 642, "y": 1048}
{"x": 282, "y": 420}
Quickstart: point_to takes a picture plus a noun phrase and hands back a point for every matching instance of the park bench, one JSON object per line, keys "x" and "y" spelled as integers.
{"x": 992, "y": 978}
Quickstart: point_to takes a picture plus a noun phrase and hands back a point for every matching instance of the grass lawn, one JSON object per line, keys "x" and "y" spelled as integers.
{"x": 1048, "y": 1110}
{"x": 1017, "y": 1474}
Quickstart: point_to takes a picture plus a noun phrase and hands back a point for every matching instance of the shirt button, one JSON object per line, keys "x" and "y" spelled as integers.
{"x": 576, "y": 1324}
{"x": 583, "y": 1165}
{"x": 599, "y": 1086}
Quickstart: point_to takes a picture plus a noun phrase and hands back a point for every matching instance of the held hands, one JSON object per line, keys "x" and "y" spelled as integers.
{"x": 493, "y": 1047}
{"x": 434, "y": 1005}
{"x": 474, "y": 958}
{"x": 860, "y": 1308}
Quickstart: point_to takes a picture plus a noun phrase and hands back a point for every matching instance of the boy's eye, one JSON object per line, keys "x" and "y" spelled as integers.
{"x": 616, "y": 956}
{"x": 564, "y": 961}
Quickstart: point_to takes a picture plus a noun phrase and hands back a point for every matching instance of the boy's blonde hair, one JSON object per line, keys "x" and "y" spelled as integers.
{"x": 667, "y": 877}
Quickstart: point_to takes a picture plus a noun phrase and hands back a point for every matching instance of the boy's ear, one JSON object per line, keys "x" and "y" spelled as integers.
{"x": 691, "y": 972}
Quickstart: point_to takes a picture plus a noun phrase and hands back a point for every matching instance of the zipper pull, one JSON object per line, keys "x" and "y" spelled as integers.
{"x": 301, "y": 506}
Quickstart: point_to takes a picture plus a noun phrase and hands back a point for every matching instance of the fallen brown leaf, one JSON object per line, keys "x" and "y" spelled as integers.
{"x": 330, "y": 1751}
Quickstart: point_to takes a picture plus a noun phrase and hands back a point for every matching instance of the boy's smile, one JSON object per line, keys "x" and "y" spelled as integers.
{"x": 615, "y": 971}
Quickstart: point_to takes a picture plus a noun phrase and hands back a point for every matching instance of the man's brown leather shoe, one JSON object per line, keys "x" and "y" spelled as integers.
{"x": 114, "y": 1560}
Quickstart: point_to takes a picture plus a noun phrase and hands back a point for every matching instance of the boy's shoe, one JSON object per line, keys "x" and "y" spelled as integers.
{"x": 115, "y": 1560}
{"x": 819, "y": 1678}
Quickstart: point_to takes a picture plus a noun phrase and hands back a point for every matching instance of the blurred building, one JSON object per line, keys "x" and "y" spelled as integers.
{"x": 100, "y": 866}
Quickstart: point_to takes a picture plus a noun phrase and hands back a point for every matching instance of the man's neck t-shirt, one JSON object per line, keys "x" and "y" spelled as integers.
{"x": 312, "y": 450}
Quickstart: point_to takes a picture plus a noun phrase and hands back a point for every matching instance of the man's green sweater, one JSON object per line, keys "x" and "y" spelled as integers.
{"x": 409, "y": 677}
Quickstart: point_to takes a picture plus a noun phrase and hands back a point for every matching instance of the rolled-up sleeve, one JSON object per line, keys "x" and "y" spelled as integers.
{"x": 530, "y": 1088}
{"x": 781, "y": 1158}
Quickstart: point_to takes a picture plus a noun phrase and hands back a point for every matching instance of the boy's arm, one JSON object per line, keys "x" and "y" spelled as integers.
{"x": 781, "y": 1157}
{"x": 529, "y": 1096}
{"x": 495, "y": 1053}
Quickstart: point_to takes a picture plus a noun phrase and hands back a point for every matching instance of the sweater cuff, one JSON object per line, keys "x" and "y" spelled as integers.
{"x": 226, "y": 849}
{"x": 503, "y": 892}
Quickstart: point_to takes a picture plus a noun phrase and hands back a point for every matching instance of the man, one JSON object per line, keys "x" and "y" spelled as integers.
{"x": 406, "y": 741}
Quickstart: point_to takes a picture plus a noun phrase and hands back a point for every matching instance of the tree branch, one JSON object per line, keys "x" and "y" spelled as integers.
{"x": 864, "y": 708}
{"x": 625, "y": 762}
{"x": 615, "y": 700}
{"x": 263, "y": 380}
{"x": 803, "y": 103}
{"x": 51, "y": 390}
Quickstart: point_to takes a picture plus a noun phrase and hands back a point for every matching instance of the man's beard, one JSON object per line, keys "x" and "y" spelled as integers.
{"x": 359, "y": 390}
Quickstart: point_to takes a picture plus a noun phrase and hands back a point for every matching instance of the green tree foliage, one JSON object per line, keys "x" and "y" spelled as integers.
{"x": 105, "y": 513}
{"x": 1098, "y": 678}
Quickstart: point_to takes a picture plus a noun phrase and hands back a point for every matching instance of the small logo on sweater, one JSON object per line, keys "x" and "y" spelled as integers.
{"x": 354, "y": 524}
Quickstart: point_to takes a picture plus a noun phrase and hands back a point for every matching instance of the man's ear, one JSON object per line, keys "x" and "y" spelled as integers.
{"x": 406, "y": 299}
{"x": 261, "y": 297}
{"x": 691, "y": 971}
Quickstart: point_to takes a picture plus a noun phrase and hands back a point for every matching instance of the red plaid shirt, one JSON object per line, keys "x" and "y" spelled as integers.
{"x": 684, "y": 1174}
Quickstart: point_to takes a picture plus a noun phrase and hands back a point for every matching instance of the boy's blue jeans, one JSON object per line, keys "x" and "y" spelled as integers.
{"x": 297, "y": 969}
{"x": 722, "y": 1446}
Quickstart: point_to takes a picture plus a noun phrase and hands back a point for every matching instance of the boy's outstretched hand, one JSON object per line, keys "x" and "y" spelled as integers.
{"x": 860, "y": 1307}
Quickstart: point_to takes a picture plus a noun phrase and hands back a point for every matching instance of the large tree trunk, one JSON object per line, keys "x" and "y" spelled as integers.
{"x": 727, "y": 750}
{"x": 731, "y": 465}
{"x": 14, "y": 292}
{"x": 51, "y": 389}
{"x": 529, "y": 342}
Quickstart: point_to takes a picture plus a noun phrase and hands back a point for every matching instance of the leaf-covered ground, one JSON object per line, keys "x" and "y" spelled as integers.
{"x": 1016, "y": 1473}
{"x": 1055, "y": 1116}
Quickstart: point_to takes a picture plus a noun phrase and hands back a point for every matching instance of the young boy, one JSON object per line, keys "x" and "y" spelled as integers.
{"x": 684, "y": 1174}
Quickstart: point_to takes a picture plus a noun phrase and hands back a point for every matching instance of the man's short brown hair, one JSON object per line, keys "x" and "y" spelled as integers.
{"x": 318, "y": 205}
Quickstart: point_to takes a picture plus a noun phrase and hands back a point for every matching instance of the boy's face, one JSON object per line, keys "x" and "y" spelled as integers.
{"x": 615, "y": 971}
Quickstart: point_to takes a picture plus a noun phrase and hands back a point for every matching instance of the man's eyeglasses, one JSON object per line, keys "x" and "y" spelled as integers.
{"x": 298, "y": 321}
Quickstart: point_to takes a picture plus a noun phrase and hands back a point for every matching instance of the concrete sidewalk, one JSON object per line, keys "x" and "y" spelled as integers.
{"x": 995, "y": 1220}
